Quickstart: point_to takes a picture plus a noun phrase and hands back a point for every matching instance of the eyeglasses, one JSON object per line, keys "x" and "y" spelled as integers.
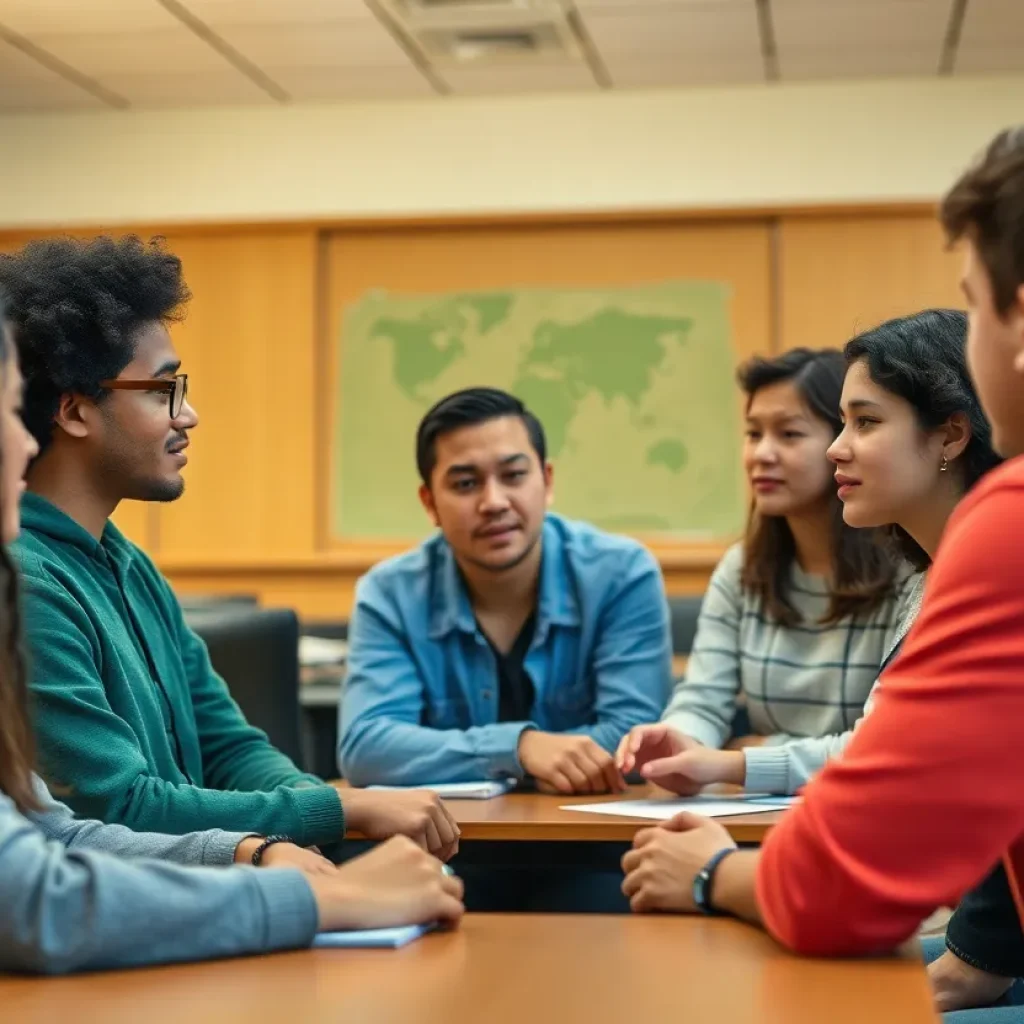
{"x": 176, "y": 387}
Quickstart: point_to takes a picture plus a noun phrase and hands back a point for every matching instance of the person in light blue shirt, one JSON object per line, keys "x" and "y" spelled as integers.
{"x": 513, "y": 643}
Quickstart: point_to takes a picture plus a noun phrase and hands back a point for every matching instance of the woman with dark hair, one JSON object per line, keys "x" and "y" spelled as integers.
{"x": 915, "y": 441}
{"x": 797, "y": 618}
{"x": 81, "y": 895}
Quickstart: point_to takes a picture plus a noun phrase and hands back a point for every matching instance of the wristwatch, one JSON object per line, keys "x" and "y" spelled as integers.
{"x": 704, "y": 878}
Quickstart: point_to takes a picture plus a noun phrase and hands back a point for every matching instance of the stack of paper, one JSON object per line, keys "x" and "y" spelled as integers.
{"x": 708, "y": 806}
{"x": 318, "y": 651}
{"x": 373, "y": 938}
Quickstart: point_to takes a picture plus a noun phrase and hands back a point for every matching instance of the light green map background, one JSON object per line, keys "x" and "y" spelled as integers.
{"x": 634, "y": 387}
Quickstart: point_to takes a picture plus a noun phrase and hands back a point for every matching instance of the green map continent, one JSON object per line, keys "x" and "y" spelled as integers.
{"x": 568, "y": 362}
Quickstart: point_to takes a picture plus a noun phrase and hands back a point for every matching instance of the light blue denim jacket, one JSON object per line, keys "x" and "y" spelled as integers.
{"x": 420, "y": 702}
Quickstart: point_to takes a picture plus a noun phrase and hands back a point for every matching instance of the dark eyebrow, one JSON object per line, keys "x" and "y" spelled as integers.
{"x": 168, "y": 369}
{"x": 463, "y": 468}
{"x": 782, "y": 419}
{"x": 863, "y": 403}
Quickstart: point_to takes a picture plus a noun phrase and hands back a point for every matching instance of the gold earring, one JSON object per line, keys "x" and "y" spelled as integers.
{"x": 944, "y": 464}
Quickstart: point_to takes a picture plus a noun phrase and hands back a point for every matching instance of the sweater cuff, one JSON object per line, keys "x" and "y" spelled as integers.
{"x": 291, "y": 916}
{"x": 321, "y": 814}
{"x": 767, "y": 769}
{"x": 220, "y": 847}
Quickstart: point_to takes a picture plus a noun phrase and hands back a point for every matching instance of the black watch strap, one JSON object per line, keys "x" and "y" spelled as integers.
{"x": 704, "y": 878}
{"x": 268, "y": 841}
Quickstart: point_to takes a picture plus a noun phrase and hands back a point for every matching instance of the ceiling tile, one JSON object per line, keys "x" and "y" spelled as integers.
{"x": 48, "y": 96}
{"x": 173, "y": 50}
{"x": 656, "y": 5}
{"x": 29, "y": 17}
{"x": 308, "y": 84}
{"x": 180, "y": 89}
{"x": 892, "y": 24}
{"x": 993, "y": 23}
{"x": 651, "y": 74}
{"x": 991, "y": 60}
{"x": 276, "y": 12}
{"x": 704, "y": 31}
{"x": 866, "y": 62}
{"x": 25, "y": 84}
{"x": 332, "y": 43}
{"x": 16, "y": 66}
{"x": 518, "y": 78}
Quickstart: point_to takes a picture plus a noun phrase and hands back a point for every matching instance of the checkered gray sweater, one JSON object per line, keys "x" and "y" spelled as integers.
{"x": 796, "y": 681}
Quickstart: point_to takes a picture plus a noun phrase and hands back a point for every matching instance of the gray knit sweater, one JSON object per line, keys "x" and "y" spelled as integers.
{"x": 81, "y": 895}
{"x": 796, "y": 681}
{"x": 784, "y": 769}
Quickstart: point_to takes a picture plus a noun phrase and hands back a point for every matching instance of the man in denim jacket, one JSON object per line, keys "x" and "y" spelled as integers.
{"x": 512, "y": 643}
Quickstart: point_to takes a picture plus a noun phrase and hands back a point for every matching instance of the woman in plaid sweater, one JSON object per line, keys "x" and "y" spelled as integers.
{"x": 798, "y": 617}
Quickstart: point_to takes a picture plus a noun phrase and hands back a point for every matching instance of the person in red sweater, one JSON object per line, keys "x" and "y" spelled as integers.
{"x": 927, "y": 798}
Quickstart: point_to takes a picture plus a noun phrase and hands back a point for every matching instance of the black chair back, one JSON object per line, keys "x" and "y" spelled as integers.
{"x": 256, "y": 650}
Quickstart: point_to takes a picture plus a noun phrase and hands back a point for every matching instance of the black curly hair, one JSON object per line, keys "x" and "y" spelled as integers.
{"x": 922, "y": 358}
{"x": 77, "y": 307}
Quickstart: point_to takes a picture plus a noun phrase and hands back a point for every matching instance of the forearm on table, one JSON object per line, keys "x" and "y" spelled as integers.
{"x": 733, "y": 890}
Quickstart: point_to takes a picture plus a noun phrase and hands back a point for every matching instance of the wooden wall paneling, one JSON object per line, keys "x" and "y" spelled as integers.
{"x": 248, "y": 344}
{"x": 840, "y": 275}
{"x": 254, "y": 518}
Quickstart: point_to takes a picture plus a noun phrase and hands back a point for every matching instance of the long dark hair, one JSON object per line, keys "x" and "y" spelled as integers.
{"x": 17, "y": 743}
{"x": 863, "y": 572}
{"x": 922, "y": 358}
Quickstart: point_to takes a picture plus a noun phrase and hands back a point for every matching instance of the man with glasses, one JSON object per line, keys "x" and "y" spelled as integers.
{"x": 133, "y": 724}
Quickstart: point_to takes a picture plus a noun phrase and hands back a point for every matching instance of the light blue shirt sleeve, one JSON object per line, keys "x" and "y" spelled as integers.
{"x": 380, "y": 738}
{"x": 213, "y": 848}
{"x": 633, "y": 656}
{"x": 70, "y": 910}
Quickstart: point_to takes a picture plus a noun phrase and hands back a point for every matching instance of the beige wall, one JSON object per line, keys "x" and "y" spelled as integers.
{"x": 750, "y": 146}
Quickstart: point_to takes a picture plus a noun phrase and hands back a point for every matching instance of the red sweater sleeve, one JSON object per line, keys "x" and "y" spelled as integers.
{"x": 930, "y": 792}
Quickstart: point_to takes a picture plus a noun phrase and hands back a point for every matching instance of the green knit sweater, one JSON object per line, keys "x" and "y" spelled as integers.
{"x": 133, "y": 724}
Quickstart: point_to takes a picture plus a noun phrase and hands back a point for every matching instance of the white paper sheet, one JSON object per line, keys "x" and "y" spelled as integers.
{"x": 485, "y": 789}
{"x": 662, "y": 810}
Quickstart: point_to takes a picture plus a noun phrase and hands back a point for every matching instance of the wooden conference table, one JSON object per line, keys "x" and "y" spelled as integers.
{"x": 537, "y": 817}
{"x": 505, "y": 969}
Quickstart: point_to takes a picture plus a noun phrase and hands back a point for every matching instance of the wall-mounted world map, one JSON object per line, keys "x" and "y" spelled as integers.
{"x": 634, "y": 385}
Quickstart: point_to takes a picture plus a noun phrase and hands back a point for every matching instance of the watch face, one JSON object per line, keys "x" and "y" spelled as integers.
{"x": 700, "y": 890}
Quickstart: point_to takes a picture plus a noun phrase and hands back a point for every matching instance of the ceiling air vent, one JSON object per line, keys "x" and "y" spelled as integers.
{"x": 478, "y": 32}
{"x": 413, "y": 7}
{"x": 473, "y": 45}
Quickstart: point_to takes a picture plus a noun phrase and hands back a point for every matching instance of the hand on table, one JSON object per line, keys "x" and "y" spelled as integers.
{"x": 664, "y": 861}
{"x": 959, "y": 986}
{"x": 396, "y": 883}
{"x": 418, "y": 814}
{"x": 284, "y": 855}
{"x": 563, "y": 763}
{"x": 675, "y": 761}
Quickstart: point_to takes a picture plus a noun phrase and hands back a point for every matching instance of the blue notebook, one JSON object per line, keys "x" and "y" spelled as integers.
{"x": 373, "y": 938}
